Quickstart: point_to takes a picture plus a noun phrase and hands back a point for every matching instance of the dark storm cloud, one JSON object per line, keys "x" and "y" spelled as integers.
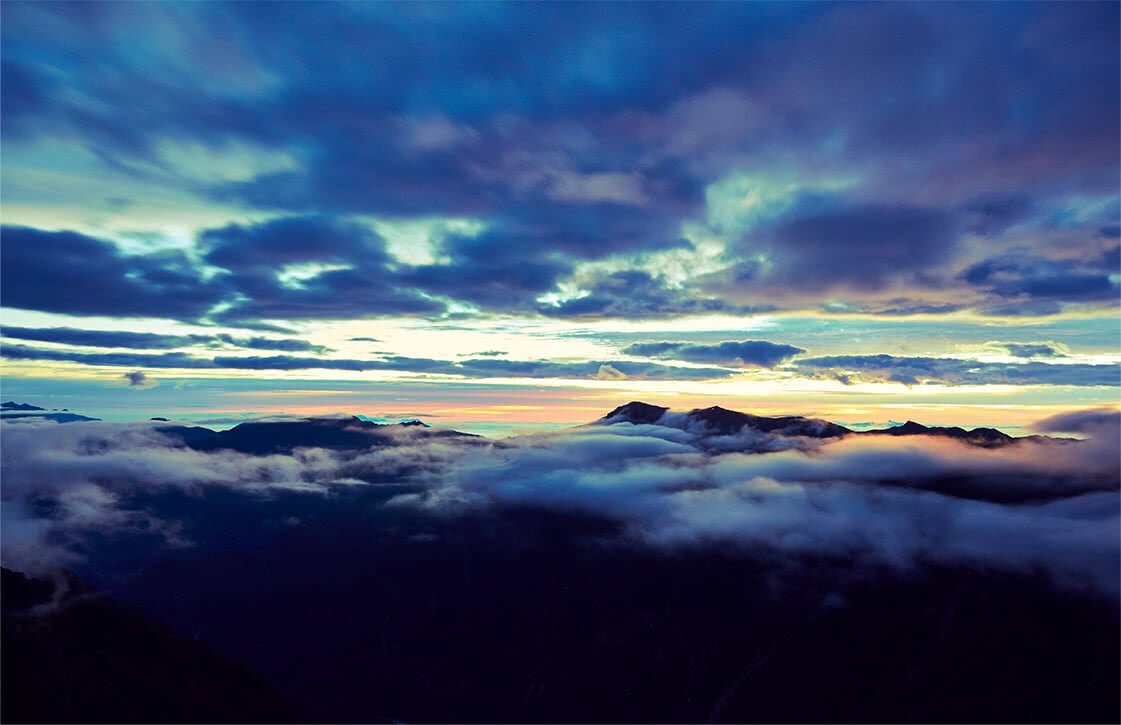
{"x": 255, "y": 256}
{"x": 638, "y": 294}
{"x": 505, "y": 268}
{"x": 291, "y": 240}
{"x": 748, "y": 353}
{"x": 494, "y": 271}
{"x": 561, "y": 65}
{"x": 75, "y": 274}
{"x": 991, "y": 215}
{"x": 1023, "y": 276}
{"x": 954, "y": 371}
{"x": 863, "y": 248}
{"x": 595, "y": 132}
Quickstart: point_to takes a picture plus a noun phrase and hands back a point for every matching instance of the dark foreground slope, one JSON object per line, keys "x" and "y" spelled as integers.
{"x": 532, "y": 615}
{"x": 71, "y": 655}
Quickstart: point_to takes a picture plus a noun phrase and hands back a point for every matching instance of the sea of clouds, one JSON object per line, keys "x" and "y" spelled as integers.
{"x": 1046, "y": 507}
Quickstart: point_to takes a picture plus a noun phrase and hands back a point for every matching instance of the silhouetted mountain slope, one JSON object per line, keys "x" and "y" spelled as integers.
{"x": 721, "y": 421}
{"x": 726, "y": 422}
{"x": 12, "y": 405}
{"x": 77, "y": 656}
{"x": 528, "y": 615}
{"x": 11, "y": 410}
{"x": 635, "y": 412}
{"x": 986, "y": 437}
{"x": 268, "y": 437}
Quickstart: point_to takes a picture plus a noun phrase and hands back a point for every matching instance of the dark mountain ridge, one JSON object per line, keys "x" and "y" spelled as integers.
{"x": 343, "y": 433}
{"x": 721, "y": 421}
{"x": 12, "y": 405}
{"x": 268, "y": 437}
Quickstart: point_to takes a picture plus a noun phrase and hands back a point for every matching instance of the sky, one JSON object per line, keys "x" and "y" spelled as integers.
{"x": 505, "y": 217}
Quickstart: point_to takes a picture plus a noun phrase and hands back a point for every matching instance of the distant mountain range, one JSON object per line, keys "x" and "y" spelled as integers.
{"x": 10, "y": 410}
{"x": 11, "y": 405}
{"x": 353, "y": 433}
{"x": 269, "y": 437}
{"x": 721, "y": 421}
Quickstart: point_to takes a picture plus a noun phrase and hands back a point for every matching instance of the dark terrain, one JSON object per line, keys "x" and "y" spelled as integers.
{"x": 361, "y": 612}
{"x": 73, "y": 655}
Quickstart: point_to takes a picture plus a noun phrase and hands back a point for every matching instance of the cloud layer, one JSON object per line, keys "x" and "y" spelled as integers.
{"x": 1036, "y": 505}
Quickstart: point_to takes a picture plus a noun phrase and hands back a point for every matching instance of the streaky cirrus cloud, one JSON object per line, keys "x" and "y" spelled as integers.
{"x": 153, "y": 340}
{"x": 957, "y": 371}
{"x": 474, "y": 368}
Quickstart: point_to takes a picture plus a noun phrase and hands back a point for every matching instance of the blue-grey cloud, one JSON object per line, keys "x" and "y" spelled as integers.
{"x": 124, "y": 359}
{"x": 1031, "y": 349}
{"x": 748, "y": 353}
{"x": 359, "y": 285}
{"x": 102, "y": 338}
{"x": 879, "y": 244}
{"x": 75, "y": 274}
{"x": 1023, "y": 276}
{"x": 267, "y": 343}
{"x": 638, "y": 294}
{"x": 138, "y": 379}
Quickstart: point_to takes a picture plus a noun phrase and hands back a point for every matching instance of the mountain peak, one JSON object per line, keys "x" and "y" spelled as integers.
{"x": 636, "y": 412}
{"x": 717, "y": 410}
